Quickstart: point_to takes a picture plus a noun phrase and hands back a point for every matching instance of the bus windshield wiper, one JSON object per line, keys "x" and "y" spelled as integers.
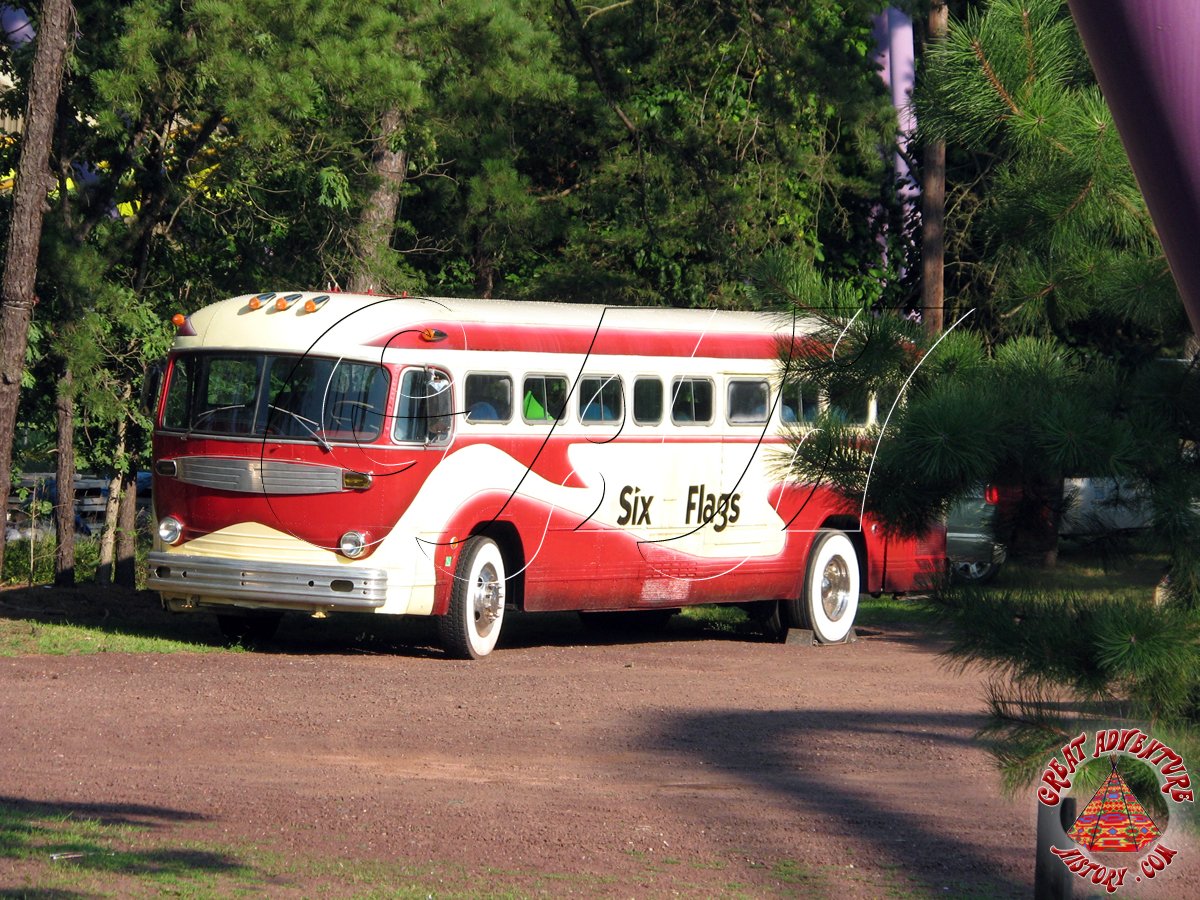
{"x": 208, "y": 414}
{"x": 308, "y": 425}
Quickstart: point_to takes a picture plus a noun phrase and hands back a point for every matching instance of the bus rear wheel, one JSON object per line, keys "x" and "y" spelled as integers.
{"x": 829, "y": 596}
{"x": 471, "y": 626}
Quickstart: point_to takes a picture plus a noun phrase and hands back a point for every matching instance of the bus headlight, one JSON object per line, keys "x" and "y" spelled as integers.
{"x": 170, "y": 530}
{"x": 353, "y": 544}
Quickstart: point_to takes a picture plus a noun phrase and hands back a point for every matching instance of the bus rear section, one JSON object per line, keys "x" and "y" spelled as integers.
{"x": 460, "y": 459}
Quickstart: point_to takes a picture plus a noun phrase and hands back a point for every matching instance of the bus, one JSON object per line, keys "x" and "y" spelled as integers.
{"x": 462, "y": 458}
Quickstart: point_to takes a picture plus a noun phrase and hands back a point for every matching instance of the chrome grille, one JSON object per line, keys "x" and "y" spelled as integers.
{"x": 258, "y": 476}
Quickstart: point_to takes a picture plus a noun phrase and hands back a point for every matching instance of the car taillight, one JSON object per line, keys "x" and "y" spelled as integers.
{"x": 991, "y": 494}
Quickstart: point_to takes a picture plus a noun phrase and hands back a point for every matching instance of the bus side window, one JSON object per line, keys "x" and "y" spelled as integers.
{"x": 747, "y": 402}
{"x": 849, "y": 406}
{"x": 691, "y": 401}
{"x": 488, "y": 398}
{"x": 798, "y": 403}
{"x": 600, "y": 399}
{"x": 647, "y": 401}
{"x": 545, "y": 398}
{"x": 423, "y": 408}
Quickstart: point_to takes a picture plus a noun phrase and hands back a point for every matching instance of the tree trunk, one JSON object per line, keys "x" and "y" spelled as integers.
{"x": 1038, "y": 518}
{"x": 933, "y": 208}
{"x": 64, "y": 507}
{"x": 108, "y": 539}
{"x": 104, "y": 570}
{"x": 33, "y": 181}
{"x": 126, "y": 571}
{"x": 379, "y": 215}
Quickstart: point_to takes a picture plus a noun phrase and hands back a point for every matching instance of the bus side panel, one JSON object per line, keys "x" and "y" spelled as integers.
{"x": 905, "y": 564}
{"x": 569, "y": 566}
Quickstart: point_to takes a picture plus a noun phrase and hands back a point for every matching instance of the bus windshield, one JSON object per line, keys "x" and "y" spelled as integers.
{"x": 260, "y": 395}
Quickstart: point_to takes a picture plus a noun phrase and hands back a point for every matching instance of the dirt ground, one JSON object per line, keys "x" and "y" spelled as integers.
{"x": 692, "y": 763}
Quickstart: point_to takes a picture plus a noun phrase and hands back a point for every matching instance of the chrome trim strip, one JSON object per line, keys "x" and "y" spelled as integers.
{"x": 324, "y": 587}
{"x": 258, "y": 476}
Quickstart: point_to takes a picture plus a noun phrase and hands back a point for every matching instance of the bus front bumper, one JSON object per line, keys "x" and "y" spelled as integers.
{"x": 189, "y": 581}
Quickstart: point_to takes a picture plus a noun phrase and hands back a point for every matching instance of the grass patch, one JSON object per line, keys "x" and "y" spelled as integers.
{"x": 93, "y": 619}
{"x": 887, "y": 611}
{"x": 791, "y": 872}
{"x": 50, "y": 850}
{"x": 1082, "y": 570}
{"x": 55, "y": 851}
{"x": 717, "y": 617}
{"x": 50, "y": 639}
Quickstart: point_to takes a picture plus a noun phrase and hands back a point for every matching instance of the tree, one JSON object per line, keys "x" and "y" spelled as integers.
{"x": 473, "y": 64}
{"x": 718, "y": 132}
{"x": 32, "y": 183}
{"x": 1082, "y": 377}
{"x": 183, "y": 125}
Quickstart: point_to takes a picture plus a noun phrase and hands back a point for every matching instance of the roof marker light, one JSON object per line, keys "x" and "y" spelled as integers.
{"x": 314, "y": 303}
{"x": 433, "y": 335}
{"x": 286, "y": 302}
{"x": 183, "y": 325}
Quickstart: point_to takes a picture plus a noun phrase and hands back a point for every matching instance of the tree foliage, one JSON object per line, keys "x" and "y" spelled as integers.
{"x": 1074, "y": 369}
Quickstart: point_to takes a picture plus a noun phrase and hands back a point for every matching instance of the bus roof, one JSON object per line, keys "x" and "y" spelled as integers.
{"x": 346, "y": 324}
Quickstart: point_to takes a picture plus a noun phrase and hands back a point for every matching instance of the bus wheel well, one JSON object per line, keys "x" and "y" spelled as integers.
{"x": 853, "y": 529}
{"x": 508, "y": 539}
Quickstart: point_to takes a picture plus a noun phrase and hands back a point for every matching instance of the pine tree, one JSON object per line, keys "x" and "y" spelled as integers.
{"x": 1077, "y": 374}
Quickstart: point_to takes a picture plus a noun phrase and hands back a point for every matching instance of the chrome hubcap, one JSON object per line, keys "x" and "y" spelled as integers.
{"x": 488, "y": 597}
{"x": 835, "y": 588}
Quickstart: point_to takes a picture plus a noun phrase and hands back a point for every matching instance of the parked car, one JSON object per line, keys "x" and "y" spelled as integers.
{"x": 977, "y": 529}
{"x": 91, "y": 500}
{"x": 1103, "y": 505}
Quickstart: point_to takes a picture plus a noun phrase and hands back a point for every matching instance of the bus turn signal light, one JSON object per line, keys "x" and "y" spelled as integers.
{"x": 433, "y": 335}
{"x": 356, "y": 481}
{"x": 183, "y": 325}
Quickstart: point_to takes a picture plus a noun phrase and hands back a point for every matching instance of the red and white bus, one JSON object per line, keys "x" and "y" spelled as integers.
{"x": 460, "y": 458}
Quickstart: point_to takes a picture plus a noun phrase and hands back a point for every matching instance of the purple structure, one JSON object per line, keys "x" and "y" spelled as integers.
{"x": 1146, "y": 55}
{"x": 894, "y": 55}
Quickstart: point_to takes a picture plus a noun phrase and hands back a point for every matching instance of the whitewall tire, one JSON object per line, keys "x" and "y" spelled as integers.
{"x": 471, "y": 626}
{"x": 829, "y": 595}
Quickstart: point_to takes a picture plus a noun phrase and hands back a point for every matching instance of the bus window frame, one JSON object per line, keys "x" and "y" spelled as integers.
{"x": 676, "y": 381}
{"x": 765, "y": 383}
{"x": 566, "y": 401}
{"x": 662, "y": 392}
{"x": 604, "y": 380}
{"x": 486, "y": 373}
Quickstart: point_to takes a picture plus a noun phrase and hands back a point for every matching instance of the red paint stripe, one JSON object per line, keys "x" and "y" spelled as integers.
{"x": 605, "y": 342}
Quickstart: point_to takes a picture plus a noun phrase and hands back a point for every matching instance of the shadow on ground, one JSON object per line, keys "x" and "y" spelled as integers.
{"x": 119, "y": 611}
{"x": 805, "y": 756}
{"x": 68, "y": 844}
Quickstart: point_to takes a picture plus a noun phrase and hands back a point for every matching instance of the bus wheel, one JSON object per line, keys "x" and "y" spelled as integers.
{"x": 471, "y": 626}
{"x": 251, "y": 627}
{"x": 829, "y": 597}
